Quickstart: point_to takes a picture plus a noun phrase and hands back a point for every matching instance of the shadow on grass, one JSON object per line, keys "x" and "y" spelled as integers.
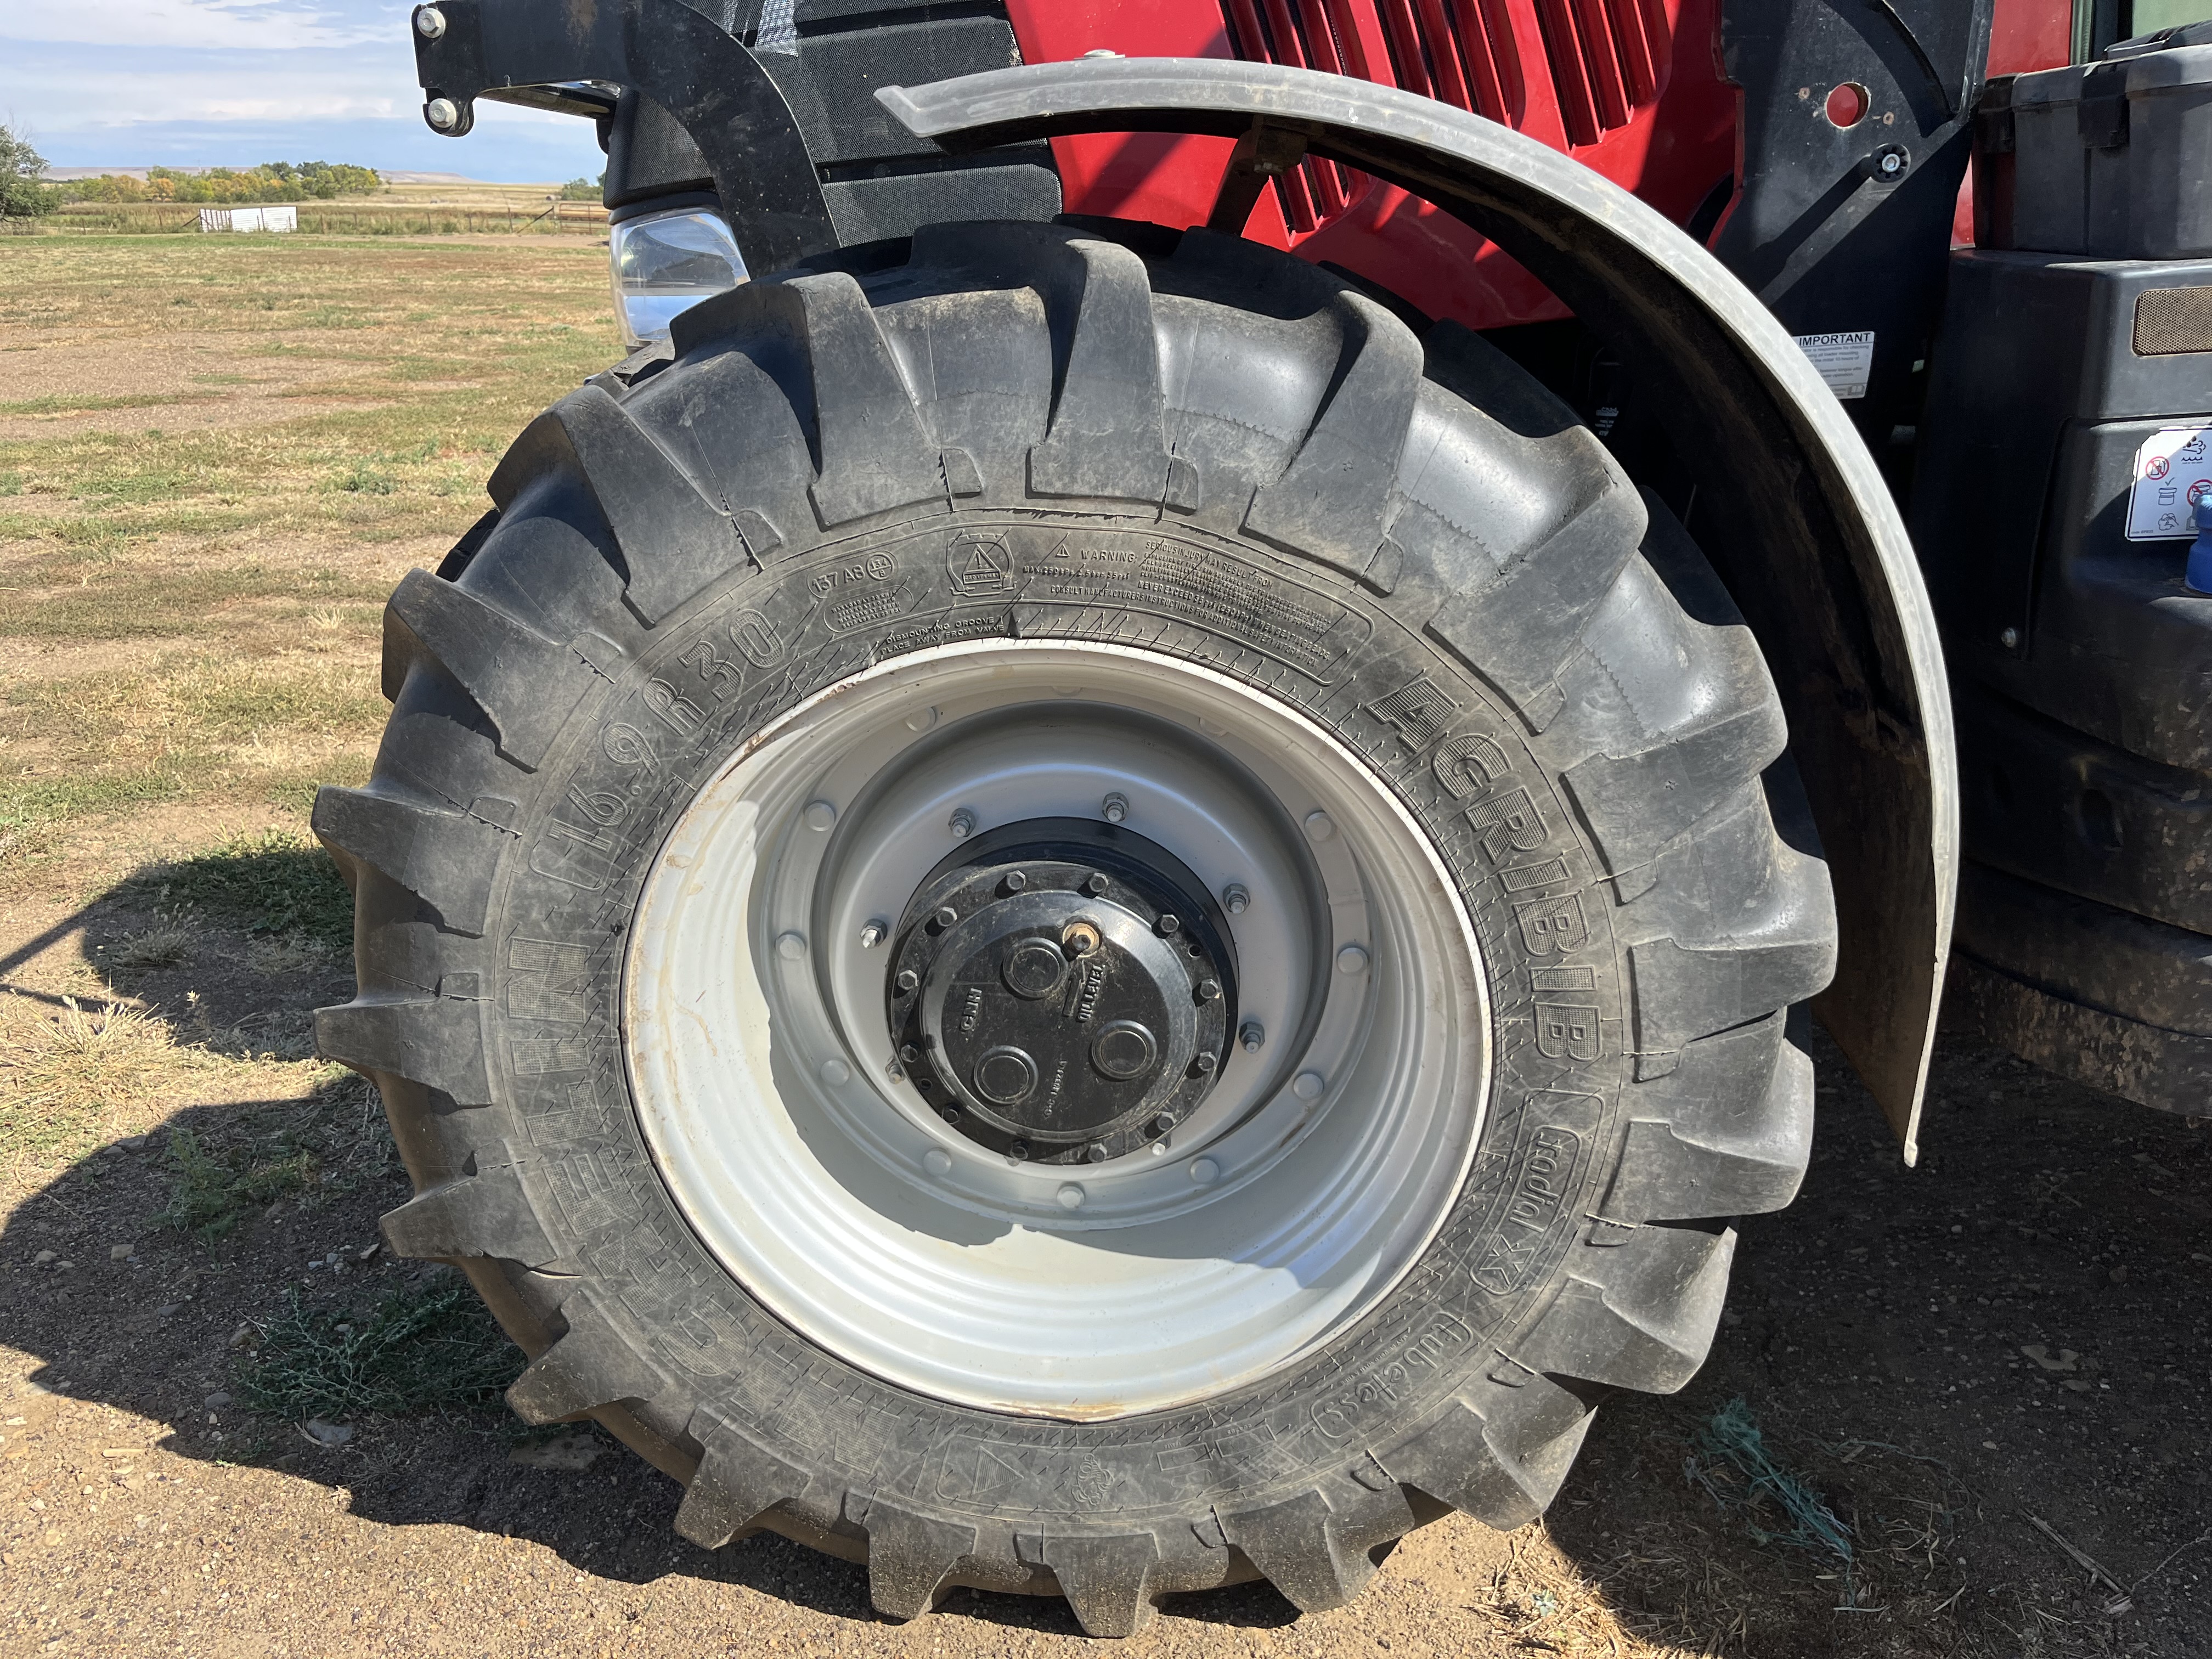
{"x": 220, "y": 1273}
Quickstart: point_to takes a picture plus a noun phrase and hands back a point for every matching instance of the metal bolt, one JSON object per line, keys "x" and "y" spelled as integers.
{"x": 1115, "y": 807}
{"x": 1163, "y": 1123}
{"x": 950, "y": 1114}
{"x": 1254, "y": 1037}
{"x": 1204, "y": 1065}
{"x": 1320, "y": 826}
{"x": 1236, "y": 899}
{"x": 791, "y": 946}
{"x": 1352, "y": 959}
{"x": 1169, "y": 923}
{"x": 895, "y": 1071}
{"x": 962, "y": 823}
{"x": 1094, "y": 1152}
{"x": 1015, "y": 881}
{"x": 1017, "y": 1149}
{"x": 1890, "y": 159}
{"x": 2010, "y": 639}
{"x": 1093, "y": 884}
{"x": 443, "y": 113}
{"x": 909, "y": 1052}
{"x": 908, "y": 980}
{"x": 874, "y": 932}
{"x": 1208, "y": 989}
{"x": 819, "y": 815}
{"x": 944, "y": 915}
{"x": 429, "y": 23}
{"x": 1070, "y": 1196}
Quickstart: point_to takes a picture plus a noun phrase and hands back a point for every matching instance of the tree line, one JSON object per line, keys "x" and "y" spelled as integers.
{"x": 25, "y": 193}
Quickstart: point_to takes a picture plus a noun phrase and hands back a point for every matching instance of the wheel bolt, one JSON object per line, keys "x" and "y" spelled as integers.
{"x": 908, "y": 980}
{"x": 1163, "y": 1123}
{"x": 1015, "y": 881}
{"x": 951, "y": 1115}
{"x": 909, "y": 1052}
{"x": 945, "y": 915}
{"x": 1094, "y": 1152}
{"x": 874, "y": 932}
{"x": 1208, "y": 989}
{"x": 962, "y": 823}
{"x": 895, "y": 1071}
{"x": 1204, "y": 1065}
{"x": 1236, "y": 900}
{"x": 1115, "y": 807}
{"x": 1169, "y": 923}
{"x": 1018, "y": 1149}
{"x": 1095, "y": 884}
{"x": 1254, "y": 1037}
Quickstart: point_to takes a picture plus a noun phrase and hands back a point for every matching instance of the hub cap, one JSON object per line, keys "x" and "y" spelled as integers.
{"x": 1056, "y": 1029}
{"x": 1064, "y": 1009}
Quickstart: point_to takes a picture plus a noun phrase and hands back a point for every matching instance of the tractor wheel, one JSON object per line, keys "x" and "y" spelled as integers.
{"x": 1061, "y": 910}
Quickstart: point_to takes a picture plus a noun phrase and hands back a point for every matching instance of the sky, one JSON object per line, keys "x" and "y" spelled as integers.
{"x": 237, "y": 82}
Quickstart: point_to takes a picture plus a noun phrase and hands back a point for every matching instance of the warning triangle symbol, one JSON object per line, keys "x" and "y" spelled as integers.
{"x": 982, "y": 570}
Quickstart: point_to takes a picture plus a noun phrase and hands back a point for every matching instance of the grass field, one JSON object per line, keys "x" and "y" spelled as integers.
{"x": 217, "y": 455}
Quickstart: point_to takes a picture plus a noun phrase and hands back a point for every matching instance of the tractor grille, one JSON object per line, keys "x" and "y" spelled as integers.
{"x": 1603, "y": 59}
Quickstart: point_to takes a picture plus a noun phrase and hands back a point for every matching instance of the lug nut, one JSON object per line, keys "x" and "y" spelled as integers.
{"x": 909, "y": 1052}
{"x": 1208, "y": 989}
{"x": 944, "y": 915}
{"x": 429, "y": 23}
{"x": 908, "y": 980}
{"x": 1163, "y": 1123}
{"x": 1204, "y": 1065}
{"x": 1095, "y": 884}
{"x": 1094, "y": 1152}
{"x": 1169, "y": 923}
{"x": 1015, "y": 881}
{"x": 1115, "y": 807}
{"x": 1080, "y": 938}
{"x": 1254, "y": 1037}
{"x": 1236, "y": 899}
{"x": 1017, "y": 1149}
{"x": 950, "y": 1114}
{"x": 443, "y": 113}
{"x": 962, "y": 823}
{"x": 895, "y": 1071}
{"x": 874, "y": 932}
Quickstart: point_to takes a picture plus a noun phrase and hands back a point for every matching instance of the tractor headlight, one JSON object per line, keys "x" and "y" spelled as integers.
{"x": 667, "y": 263}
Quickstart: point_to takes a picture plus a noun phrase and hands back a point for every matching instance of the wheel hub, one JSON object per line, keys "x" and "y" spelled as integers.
{"x": 1063, "y": 991}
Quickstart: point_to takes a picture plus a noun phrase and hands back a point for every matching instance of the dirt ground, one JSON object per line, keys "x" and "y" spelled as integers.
{"x": 1974, "y": 1396}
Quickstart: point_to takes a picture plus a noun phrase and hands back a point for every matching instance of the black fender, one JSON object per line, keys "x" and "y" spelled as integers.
{"x": 1809, "y": 542}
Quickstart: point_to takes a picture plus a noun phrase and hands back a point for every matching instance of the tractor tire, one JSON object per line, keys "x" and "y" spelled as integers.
{"x": 1337, "y": 704}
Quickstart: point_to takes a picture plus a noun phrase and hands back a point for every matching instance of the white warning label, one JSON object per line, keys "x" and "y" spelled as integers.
{"x": 1845, "y": 360}
{"x": 2173, "y": 472}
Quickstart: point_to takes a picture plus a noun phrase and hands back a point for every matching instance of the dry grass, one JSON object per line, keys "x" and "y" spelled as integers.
{"x": 216, "y": 458}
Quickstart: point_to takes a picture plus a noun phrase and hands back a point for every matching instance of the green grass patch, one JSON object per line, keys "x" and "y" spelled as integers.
{"x": 424, "y": 1347}
{"x": 58, "y": 403}
{"x": 271, "y": 883}
{"x": 211, "y": 1194}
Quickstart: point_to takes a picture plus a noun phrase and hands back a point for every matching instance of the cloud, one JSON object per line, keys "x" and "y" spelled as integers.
{"x": 202, "y": 25}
